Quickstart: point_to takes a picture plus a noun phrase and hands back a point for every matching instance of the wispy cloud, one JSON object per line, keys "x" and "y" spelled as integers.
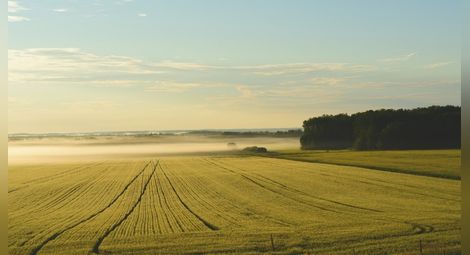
{"x": 245, "y": 91}
{"x": 401, "y": 58}
{"x": 327, "y": 81}
{"x": 301, "y": 68}
{"x": 15, "y": 7}
{"x": 89, "y": 105}
{"x": 112, "y": 83}
{"x": 142, "y": 14}
{"x": 397, "y": 85}
{"x": 17, "y": 18}
{"x": 121, "y": 2}
{"x": 71, "y": 65}
{"x": 172, "y": 86}
{"x": 279, "y": 97}
{"x": 184, "y": 66}
{"x": 437, "y": 65}
{"x": 60, "y": 10}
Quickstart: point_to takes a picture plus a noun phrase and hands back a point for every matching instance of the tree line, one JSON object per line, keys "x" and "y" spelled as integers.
{"x": 433, "y": 127}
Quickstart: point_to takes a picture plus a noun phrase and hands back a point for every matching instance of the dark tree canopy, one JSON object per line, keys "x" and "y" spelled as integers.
{"x": 255, "y": 149}
{"x": 432, "y": 127}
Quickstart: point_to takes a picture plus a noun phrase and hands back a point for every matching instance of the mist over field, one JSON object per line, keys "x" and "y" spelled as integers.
{"x": 111, "y": 147}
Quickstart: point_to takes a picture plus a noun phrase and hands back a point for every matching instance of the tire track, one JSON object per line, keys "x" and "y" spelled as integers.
{"x": 412, "y": 189}
{"x": 100, "y": 240}
{"x": 45, "y": 207}
{"x": 72, "y": 193}
{"x": 193, "y": 192}
{"x": 206, "y": 223}
{"x": 53, "y": 176}
{"x": 417, "y": 228}
{"x": 139, "y": 207}
{"x": 294, "y": 190}
{"x": 169, "y": 213}
{"x": 230, "y": 202}
{"x": 370, "y": 167}
{"x": 54, "y": 236}
{"x": 55, "y": 198}
{"x": 161, "y": 194}
{"x": 382, "y": 181}
{"x": 394, "y": 186}
{"x": 273, "y": 190}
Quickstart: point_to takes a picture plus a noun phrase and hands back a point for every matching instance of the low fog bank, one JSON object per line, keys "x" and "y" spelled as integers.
{"x": 52, "y": 150}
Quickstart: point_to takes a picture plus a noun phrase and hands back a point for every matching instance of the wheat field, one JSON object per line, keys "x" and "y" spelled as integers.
{"x": 230, "y": 205}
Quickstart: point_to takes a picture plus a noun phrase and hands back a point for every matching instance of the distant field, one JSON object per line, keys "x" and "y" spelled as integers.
{"x": 439, "y": 163}
{"x": 230, "y": 205}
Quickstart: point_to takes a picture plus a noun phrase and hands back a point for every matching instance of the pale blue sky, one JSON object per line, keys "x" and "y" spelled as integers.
{"x": 141, "y": 65}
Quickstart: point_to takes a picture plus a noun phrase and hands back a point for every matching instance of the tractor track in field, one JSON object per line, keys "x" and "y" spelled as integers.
{"x": 193, "y": 191}
{"x": 417, "y": 228}
{"x": 283, "y": 195}
{"x": 377, "y": 180}
{"x": 316, "y": 197}
{"x": 246, "y": 210}
{"x": 412, "y": 191}
{"x": 294, "y": 190}
{"x": 54, "y": 236}
{"x": 273, "y": 190}
{"x": 205, "y": 222}
{"x": 161, "y": 203}
{"x": 56, "y": 175}
{"x": 257, "y": 178}
{"x": 58, "y": 202}
{"x": 165, "y": 202}
{"x": 374, "y": 168}
{"x": 100, "y": 240}
{"x": 381, "y": 183}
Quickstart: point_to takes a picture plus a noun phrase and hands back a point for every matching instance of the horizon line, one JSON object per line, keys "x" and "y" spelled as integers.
{"x": 148, "y": 131}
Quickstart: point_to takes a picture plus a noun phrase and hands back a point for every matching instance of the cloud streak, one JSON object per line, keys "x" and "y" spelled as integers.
{"x": 12, "y": 18}
{"x": 172, "y": 87}
{"x": 73, "y": 65}
{"x": 401, "y": 58}
{"x": 438, "y": 65}
{"x": 60, "y": 10}
{"x": 330, "y": 81}
{"x": 302, "y": 68}
{"x": 14, "y": 8}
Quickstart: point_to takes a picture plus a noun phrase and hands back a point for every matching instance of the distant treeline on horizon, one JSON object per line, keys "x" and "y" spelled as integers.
{"x": 434, "y": 127}
{"x": 255, "y": 133}
{"x": 268, "y": 132}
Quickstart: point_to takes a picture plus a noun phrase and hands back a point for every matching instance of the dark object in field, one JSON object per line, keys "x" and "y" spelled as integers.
{"x": 232, "y": 146}
{"x": 434, "y": 127}
{"x": 255, "y": 149}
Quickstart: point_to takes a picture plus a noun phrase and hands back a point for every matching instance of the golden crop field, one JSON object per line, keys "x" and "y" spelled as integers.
{"x": 230, "y": 205}
{"x": 437, "y": 163}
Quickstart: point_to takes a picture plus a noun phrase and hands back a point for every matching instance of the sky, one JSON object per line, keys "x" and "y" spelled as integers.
{"x": 117, "y": 65}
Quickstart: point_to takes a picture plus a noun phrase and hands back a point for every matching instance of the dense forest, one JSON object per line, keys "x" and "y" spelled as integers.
{"x": 431, "y": 127}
